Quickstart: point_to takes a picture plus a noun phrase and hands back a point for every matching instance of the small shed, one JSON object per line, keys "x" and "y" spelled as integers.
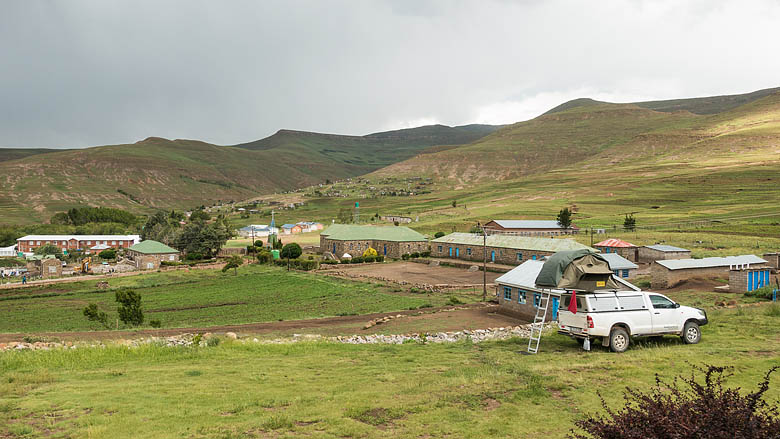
{"x": 623, "y": 248}
{"x": 620, "y": 266}
{"x": 661, "y": 252}
{"x": 742, "y": 280}
{"x": 773, "y": 259}
{"x": 148, "y": 255}
{"x": 667, "y": 274}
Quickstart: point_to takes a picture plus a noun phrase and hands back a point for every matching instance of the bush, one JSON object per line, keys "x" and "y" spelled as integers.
{"x": 439, "y": 234}
{"x": 415, "y": 255}
{"x": 329, "y": 262}
{"x": 380, "y": 258}
{"x": 259, "y": 243}
{"x": 369, "y": 258}
{"x": 291, "y": 251}
{"x": 706, "y": 410}
{"x": 129, "y": 310}
{"x": 264, "y": 257}
{"x": 194, "y": 256}
{"x": 405, "y": 256}
{"x": 454, "y": 301}
{"x": 299, "y": 264}
{"x": 357, "y": 260}
{"x": 107, "y": 254}
{"x": 346, "y": 261}
{"x": 155, "y": 324}
{"x": 643, "y": 284}
{"x": 370, "y": 252}
{"x": 92, "y": 313}
{"x": 761, "y": 293}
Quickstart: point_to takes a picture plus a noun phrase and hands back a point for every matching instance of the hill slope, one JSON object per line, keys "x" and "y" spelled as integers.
{"x": 7, "y": 154}
{"x": 161, "y": 173}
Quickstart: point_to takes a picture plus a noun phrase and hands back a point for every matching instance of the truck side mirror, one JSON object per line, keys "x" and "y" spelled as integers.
{"x": 676, "y": 305}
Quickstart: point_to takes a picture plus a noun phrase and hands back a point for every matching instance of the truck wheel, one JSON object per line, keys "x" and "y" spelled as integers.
{"x": 691, "y": 333}
{"x": 618, "y": 340}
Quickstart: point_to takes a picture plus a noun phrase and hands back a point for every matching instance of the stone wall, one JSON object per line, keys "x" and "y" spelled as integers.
{"x": 661, "y": 277}
{"x": 502, "y": 255}
{"x": 391, "y": 249}
{"x": 524, "y": 311}
{"x": 773, "y": 259}
{"x": 650, "y": 255}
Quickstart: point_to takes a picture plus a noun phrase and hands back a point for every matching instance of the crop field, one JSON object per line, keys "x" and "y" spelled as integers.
{"x": 200, "y": 298}
{"x": 243, "y": 389}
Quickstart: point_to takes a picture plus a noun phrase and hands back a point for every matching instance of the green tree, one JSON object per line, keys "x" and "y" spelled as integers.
{"x": 129, "y": 309}
{"x": 439, "y": 234}
{"x": 564, "y": 218}
{"x": 109, "y": 253}
{"x": 48, "y": 249}
{"x": 454, "y": 203}
{"x": 233, "y": 262}
{"x": 629, "y": 223}
{"x": 92, "y": 313}
{"x": 200, "y": 215}
{"x": 199, "y": 237}
{"x": 291, "y": 251}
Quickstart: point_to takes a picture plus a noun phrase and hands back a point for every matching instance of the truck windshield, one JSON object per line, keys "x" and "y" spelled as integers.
{"x": 661, "y": 302}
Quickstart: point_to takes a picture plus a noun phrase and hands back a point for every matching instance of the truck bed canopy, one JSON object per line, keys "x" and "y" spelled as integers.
{"x": 583, "y": 270}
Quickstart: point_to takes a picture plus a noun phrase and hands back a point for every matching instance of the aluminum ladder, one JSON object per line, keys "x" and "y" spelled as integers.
{"x": 538, "y": 325}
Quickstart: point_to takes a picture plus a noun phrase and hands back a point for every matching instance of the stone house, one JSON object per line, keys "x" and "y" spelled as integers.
{"x": 44, "y": 266}
{"x": 623, "y": 248}
{"x": 668, "y": 273}
{"x": 501, "y": 249}
{"x": 529, "y": 228}
{"x": 742, "y": 280}
{"x": 390, "y": 241}
{"x": 148, "y": 255}
{"x": 660, "y": 252}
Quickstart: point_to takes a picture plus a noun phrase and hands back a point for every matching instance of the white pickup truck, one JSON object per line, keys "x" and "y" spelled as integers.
{"x": 615, "y": 317}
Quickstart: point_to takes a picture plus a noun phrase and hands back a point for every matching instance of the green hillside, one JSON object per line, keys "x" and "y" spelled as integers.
{"x": 161, "y": 173}
{"x": 20, "y": 153}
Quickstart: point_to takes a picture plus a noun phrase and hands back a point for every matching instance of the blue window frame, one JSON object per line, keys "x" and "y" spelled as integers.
{"x": 625, "y": 273}
{"x": 617, "y": 272}
{"x": 440, "y": 249}
{"x": 468, "y": 251}
{"x": 507, "y": 293}
{"x": 457, "y": 252}
{"x": 537, "y": 299}
{"x": 519, "y": 256}
{"x": 533, "y": 257}
{"x": 520, "y": 296}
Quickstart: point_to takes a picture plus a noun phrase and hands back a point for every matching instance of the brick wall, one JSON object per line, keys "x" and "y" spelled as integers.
{"x": 502, "y": 255}
{"x": 650, "y": 255}
{"x": 29, "y": 246}
{"x": 142, "y": 260}
{"x": 738, "y": 279}
{"x": 773, "y": 259}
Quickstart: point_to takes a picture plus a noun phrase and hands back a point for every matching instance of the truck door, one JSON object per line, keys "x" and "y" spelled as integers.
{"x": 636, "y": 313}
{"x": 666, "y": 315}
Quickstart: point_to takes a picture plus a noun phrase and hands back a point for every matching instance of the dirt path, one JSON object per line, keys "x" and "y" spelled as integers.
{"x": 415, "y": 273}
{"x": 472, "y": 316}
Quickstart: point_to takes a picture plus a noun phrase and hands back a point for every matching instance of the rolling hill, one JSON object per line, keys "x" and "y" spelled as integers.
{"x": 161, "y": 173}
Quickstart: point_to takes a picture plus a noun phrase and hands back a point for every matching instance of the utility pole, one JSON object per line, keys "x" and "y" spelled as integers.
{"x": 484, "y": 261}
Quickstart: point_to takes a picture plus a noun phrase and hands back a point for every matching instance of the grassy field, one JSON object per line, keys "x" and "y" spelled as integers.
{"x": 320, "y": 390}
{"x": 201, "y": 298}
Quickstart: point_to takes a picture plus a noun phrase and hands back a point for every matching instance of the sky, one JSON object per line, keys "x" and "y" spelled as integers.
{"x": 82, "y": 73}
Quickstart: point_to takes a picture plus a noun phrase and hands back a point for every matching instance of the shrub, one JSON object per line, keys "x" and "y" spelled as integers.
{"x": 357, "y": 260}
{"x": 761, "y": 293}
{"x": 370, "y": 252}
{"x": 92, "y": 313}
{"x": 108, "y": 254}
{"x": 155, "y": 324}
{"x": 706, "y": 410}
{"x": 643, "y": 284}
{"x": 380, "y": 258}
{"x": 194, "y": 256}
{"x": 329, "y": 262}
{"x": 264, "y": 257}
{"x": 259, "y": 243}
{"x": 415, "y": 255}
{"x": 454, "y": 301}
{"x": 439, "y": 234}
{"x": 346, "y": 261}
{"x": 369, "y": 258}
{"x": 291, "y": 251}
{"x": 405, "y": 256}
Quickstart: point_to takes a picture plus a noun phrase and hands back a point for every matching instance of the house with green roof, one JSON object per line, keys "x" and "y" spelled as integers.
{"x": 149, "y": 255}
{"x": 501, "y": 249}
{"x": 353, "y": 240}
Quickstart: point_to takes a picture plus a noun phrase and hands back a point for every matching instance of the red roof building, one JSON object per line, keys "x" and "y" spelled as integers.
{"x": 614, "y": 242}
{"x": 623, "y": 248}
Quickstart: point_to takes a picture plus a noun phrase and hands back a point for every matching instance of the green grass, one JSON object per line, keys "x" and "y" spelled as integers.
{"x": 327, "y": 390}
{"x": 204, "y": 298}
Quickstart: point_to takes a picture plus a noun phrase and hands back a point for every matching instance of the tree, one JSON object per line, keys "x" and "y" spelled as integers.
{"x": 199, "y": 237}
{"x": 370, "y": 252}
{"x": 704, "y": 410}
{"x": 233, "y": 262}
{"x": 291, "y": 251}
{"x": 92, "y": 313}
{"x": 108, "y": 253}
{"x": 259, "y": 243}
{"x": 48, "y": 249}
{"x": 264, "y": 257}
{"x": 200, "y": 215}
{"x": 564, "y": 218}
{"x": 129, "y": 310}
{"x": 630, "y": 222}
{"x": 454, "y": 203}
{"x": 439, "y": 234}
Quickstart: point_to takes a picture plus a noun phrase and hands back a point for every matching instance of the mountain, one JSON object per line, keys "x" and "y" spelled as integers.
{"x": 585, "y": 134}
{"x": 162, "y": 173}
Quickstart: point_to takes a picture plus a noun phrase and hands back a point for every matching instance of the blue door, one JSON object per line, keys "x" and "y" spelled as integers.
{"x": 750, "y": 281}
{"x": 385, "y": 249}
{"x": 334, "y": 249}
{"x": 555, "y": 308}
{"x": 450, "y": 251}
{"x": 493, "y": 256}
{"x": 457, "y": 252}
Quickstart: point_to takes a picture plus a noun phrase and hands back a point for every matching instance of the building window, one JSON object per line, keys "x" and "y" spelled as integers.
{"x": 350, "y": 246}
{"x": 533, "y": 257}
{"x": 441, "y": 249}
{"x": 519, "y": 256}
{"x": 468, "y": 251}
{"x": 625, "y": 273}
{"x": 39, "y": 243}
{"x": 113, "y": 242}
{"x": 507, "y": 293}
{"x": 617, "y": 272}
{"x": 537, "y": 299}
{"x": 521, "y": 296}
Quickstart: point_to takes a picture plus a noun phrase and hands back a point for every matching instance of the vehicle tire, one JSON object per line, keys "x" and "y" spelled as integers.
{"x": 691, "y": 333}
{"x": 619, "y": 340}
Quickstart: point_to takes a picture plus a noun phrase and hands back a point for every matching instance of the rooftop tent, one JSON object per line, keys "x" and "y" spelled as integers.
{"x": 582, "y": 270}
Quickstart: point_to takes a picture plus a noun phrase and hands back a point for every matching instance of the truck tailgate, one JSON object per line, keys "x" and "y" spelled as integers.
{"x": 568, "y": 320}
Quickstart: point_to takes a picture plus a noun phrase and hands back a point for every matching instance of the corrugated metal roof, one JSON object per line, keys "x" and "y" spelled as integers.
{"x": 614, "y": 242}
{"x": 617, "y": 262}
{"x": 348, "y": 232}
{"x": 524, "y": 276}
{"x": 514, "y": 242}
{"x": 667, "y": 248}
{"x": 528, "y": 224}
{"x": 80, "y": 238}
{"x": 680, "y": 264}
{"x": 150, "y": 247}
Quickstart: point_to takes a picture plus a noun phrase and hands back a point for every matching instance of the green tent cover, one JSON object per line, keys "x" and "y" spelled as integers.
{"x": 576, "y": 270}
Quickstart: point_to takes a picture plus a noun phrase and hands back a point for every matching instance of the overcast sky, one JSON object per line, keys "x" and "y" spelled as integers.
{"x": 83, "y": 73}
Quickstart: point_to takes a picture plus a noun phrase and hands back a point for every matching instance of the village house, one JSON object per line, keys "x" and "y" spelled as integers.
{"x": 745, "y": 279}
{"x": 622, "y": 267}
{"x": 529, "y": 228}
{"x": 501, "y": 249}
{"x": 148, "y": 255}
{"x": 28, "y": 244}
{"x": 660, "y": 252}
{"x": 518, "y": 295}
{"x": 44, "y": 266}
{"x": 390, "y": 241}
{"x": 310, "y": 226}
{"x": 291, "y": 229}
{"x": 257, "y": 230}
{"x": 623, "y": 248}
{"x": 668, "y": 273}
{"x": 773, "y": 259}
